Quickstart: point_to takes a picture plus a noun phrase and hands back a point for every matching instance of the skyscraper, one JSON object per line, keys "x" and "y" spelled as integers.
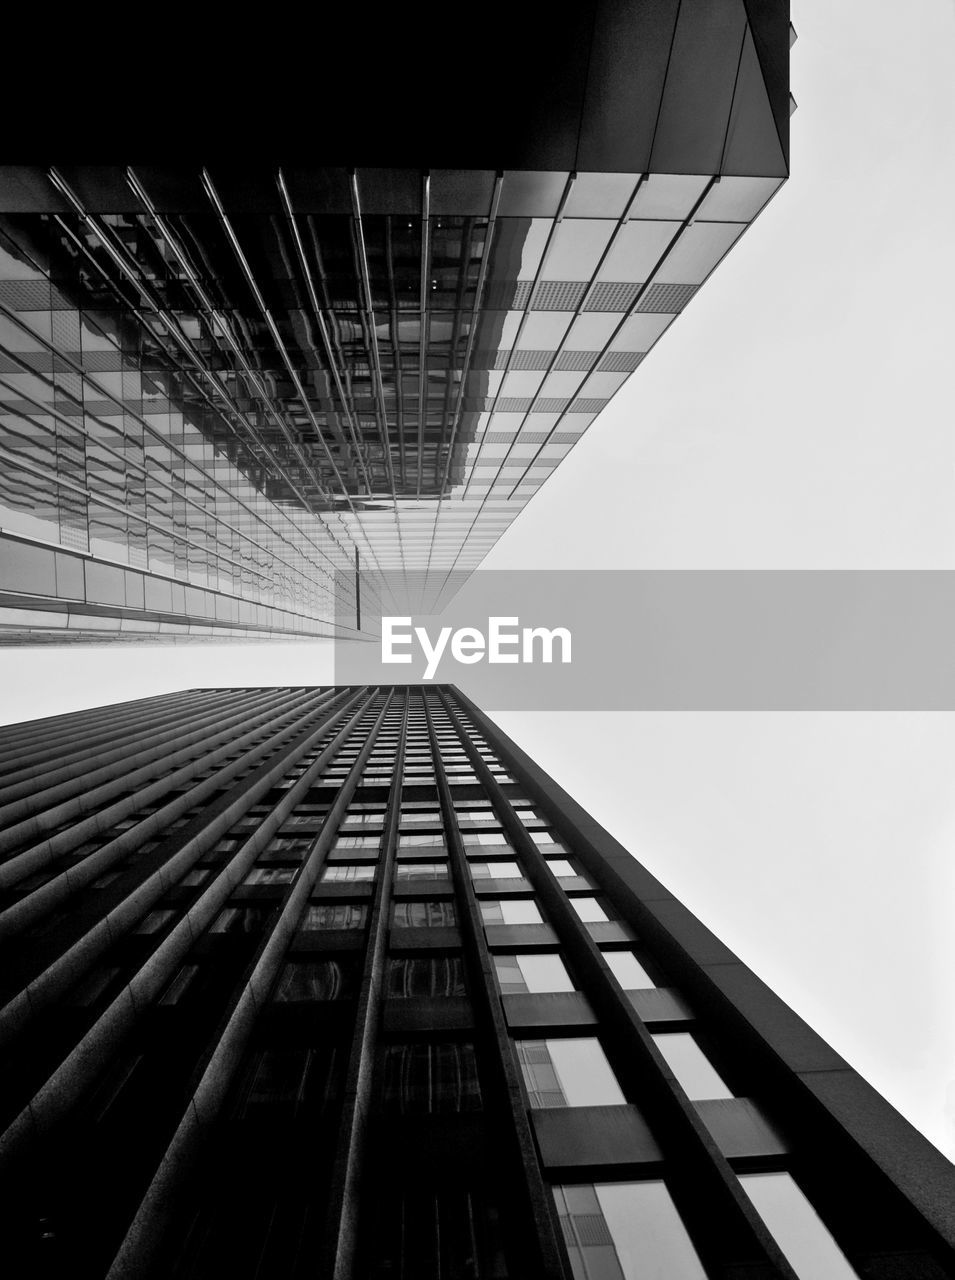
{"x": 238, "y": 391}
{"x": 339, "y": 983}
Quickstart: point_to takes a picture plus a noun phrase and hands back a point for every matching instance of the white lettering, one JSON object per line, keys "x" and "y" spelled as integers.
{"x": 433, "y": 653}
{"x": 468, "y": 645}
{"x": 389, "y": 639}
{"x": 546, "y": 637}
{"x": 498, "y": 637}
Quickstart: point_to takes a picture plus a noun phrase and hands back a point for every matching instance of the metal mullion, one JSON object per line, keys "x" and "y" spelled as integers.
{"x": 341, "y": 1218}
{"x": 322, "y": 327}
{"x": 475, "y": 313}
{"x": 463, "y": 271}
{"x": 639, "y": 1063}
{"x": 52, "y": 744}
{"x": 194, "y": 840}
{"x": 633, "y": 305}
{"x": 279, "y": 344}
{"x": 228, "y": 1044}
{"x": 36, "y": 793}
{"x": 424, "y": 321}
{"x": 558, "y": 219}
{"x": 151, "y": 481}
{"x": 396, "y": 354}
{"x": 87, "y": 378}
{"x": 130, "y": 269}
{"x": 359, "y": 237}
{"x": 68, "y": 1081}
{"x": 550, "y": 1258}
{"x": 218, "y": 318}
{"x": 47, "y": 851}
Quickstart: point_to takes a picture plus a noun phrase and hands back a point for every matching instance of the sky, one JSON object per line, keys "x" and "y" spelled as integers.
{"x": 796, "y": 416}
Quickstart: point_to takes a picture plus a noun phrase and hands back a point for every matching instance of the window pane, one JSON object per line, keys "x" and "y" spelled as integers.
{"x": 588, "y": 909}
{"x": 425, "y": 976}
{"x": 347, "y": 871}
{"x": 424, "y": 915}
{"x": 509, "y": 911}
{"x": 626, "y": 1231}
{"x": 334, "y": 915}
{"x": 421, "y": 871}
{"x": 495, "y": 871}
{"x": 542, "y": 973}
{"x": 430, "y": 1077}
{"x": 568, "y": 1073}
{"x": 797, "y": 1228}
{"x": 313, "y": 980}
{"x": 628, "y": 970}
{"x": 691, "y": 1066}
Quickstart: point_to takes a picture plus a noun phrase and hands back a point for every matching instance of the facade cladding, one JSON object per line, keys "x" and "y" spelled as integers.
{"x": 338, "y": 983}
{"x": 220, "y": 383}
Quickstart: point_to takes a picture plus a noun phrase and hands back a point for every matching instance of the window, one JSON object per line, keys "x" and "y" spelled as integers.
{"x": 486, "y": 837}
{"x": 425, "y": 976}
{"x": 334, "y": 915}
{"x": 349, "y": 871}
{"x": 625, "y": 1231}
{"x": 435, "y": 1233}
{"x": 421, "y": 839}
{"x": 532, "y": 973}
{"x": 421, "y": 870}
{"x": 179, "y": 985}
{"x": 509, "y": 911}
{"x": 314, "y": 980}
{"x": 155, "y": 921}
{"x": 589, "y": 910}
{"x": 628, "y": 970}
{"x": 240, "y": 920}
{"x": 357, "y": 842}
{"x": 568, "y": 1073}
{"x": 495, "y": 871}
{"x": 424, "y": 818}
{"x": 424, "y": 915}
{"x": 441, "y": 1076}
{"x": 797, "y": 1228}
{"x": 280, "y": 1080}
{"x": 691, "y": 1066}
{"x": 270, "y": 875}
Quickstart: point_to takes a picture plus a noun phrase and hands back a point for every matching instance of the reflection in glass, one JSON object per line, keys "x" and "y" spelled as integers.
{"x": 625, "y": 1231}
{"x": 571, "y": 1072}
{"x": 797, "y": 1228}
{"x": 692, "y": 1068}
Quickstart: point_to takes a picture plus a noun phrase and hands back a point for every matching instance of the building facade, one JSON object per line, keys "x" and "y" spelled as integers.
{"x": 338, "y": 983}
{"x": 227, "y": 382}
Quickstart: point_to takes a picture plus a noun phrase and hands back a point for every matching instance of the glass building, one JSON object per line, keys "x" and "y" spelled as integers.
{"x": 235, "y": 395}
{"x": 338, "y": 983}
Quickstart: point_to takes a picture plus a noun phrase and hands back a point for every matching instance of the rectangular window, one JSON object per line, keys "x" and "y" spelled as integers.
{"x": 349, "y": 871}
{"x": 486, "y": 837}
{"x": 425, "y": 976}
{"x": 509, "y": 911}
{"x": 568, "y": 1073}
{"x": 589, "y": 910}
{"x": 691, "y": 1066}
{"x": 240, "y": 920}
{"x": 532, "y": 973}
{"x": 421, "y": 870}
{"x": 430, "y": 1077}
{"x": 356, "y": 842}
{"x": 314, "y": 980}
{"x": 625, "y": 1231}
{"x": 495, "y": 870}
{"x": 421, "y": 840}
{"x": 270, "y": 875}
{"x": 334, "y": 915}
{"x": 424, "y": 915}
{"x": 628, "y": 970}
{"x": 798, "y": 1230}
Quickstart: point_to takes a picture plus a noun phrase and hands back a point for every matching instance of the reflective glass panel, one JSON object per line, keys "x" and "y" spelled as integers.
{"x": 797, "y": 1228}
{"x": 691, "y": 1066}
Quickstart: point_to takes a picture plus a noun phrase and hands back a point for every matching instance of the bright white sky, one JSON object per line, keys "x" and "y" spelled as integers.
{"x": 797, "y": 416}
